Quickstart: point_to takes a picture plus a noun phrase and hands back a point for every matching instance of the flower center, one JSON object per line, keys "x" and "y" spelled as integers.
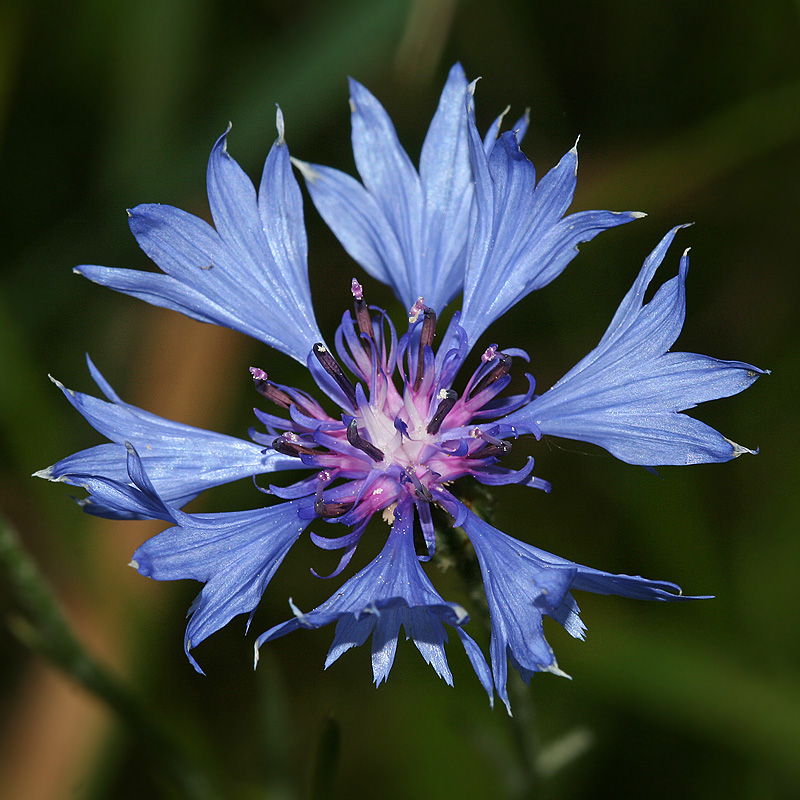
{"x": 403, "y": 434}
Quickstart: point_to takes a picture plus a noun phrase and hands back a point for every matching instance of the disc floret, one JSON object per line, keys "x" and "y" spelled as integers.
{"x": 403, "y": 434}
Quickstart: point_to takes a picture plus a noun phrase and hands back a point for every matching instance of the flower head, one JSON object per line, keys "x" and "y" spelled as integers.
{"x": 397, "y": 419}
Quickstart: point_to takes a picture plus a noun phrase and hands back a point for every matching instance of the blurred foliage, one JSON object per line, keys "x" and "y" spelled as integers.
{"x": 689, "y": 111}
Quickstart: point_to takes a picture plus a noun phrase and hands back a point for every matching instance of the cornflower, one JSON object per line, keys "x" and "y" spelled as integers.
{"x": 399, "y": 423}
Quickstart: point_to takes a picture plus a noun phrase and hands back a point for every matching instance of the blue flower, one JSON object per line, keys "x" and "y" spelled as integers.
{"x": 402, "y": 422}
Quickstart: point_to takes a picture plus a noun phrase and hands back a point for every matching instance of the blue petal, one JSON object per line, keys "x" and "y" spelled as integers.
{"x": 388, "y": 175}
{"x": 520, "y": 589}
{"x": 478, "y": 661}
{"x": 446, "y": 178}
{"x": 520, "y": 129}
{"x": 235, "y": 554}
{"x": 354, "y": 216}
{"x": 137, "y": 499}
{"x": 406, "y": 230}
{"x": 250, "y": 274}
{"x": 181, "y": 460}
{"x": 524, "y": 583}
{"x": 626, "y": 394}
{"x": 521, "y": 242}
{"x": 391, "y": 592}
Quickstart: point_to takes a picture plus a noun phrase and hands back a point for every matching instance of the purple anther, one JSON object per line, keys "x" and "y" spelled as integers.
{"x": 447, "y": 399}
{"x": 267, "y": 389}
{"x": 355, "y": 288}
{"x": 490, "y": 450}
{"x": 290, "y": 445}
{"x": 362, "y": 312}
{"x": 499, "y": 370}
{"x": 489, "y": 354}
{"x": 492, "y": 447}
{"x": 422, "y": 491}
{"x": 331, "y": 366}
{"x": 360, "y": 443}
{"x": 428, "y": 328}
{"x": 425, "y": 340}
{"x": 331, "y": 510}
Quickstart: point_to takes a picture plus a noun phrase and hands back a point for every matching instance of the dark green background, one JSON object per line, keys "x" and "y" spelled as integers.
{"x": 687, "y": 110}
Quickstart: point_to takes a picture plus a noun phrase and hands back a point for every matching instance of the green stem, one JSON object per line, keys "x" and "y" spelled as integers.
{"x": 45, "y": 630}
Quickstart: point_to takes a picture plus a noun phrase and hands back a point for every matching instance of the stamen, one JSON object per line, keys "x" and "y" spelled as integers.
{"x": 499, "y": 370}
{"x": 328, "y": 510}
{"x": 489, "y": 354}
{"x": 410, "y": 476}
{"x": 489, "y": 450}
{"x": 493, "y": 446}
{"x": 425, "y": 340}
{"x": 362, "y": 310}
{"x": 447, "y": 399}
{"x": 268, "y": 390}
{"x": 428, "y": 328}
{"x": 362, "y": 444}
{"x": 290, "y": 445}
{"x": 330, "y": 365}
{"x": 331, "y": 510}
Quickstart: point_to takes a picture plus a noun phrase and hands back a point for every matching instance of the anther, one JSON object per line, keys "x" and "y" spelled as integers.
{"x": 331, "y": 510}
{"x": 428, "y": 328}
{"x": 447, "y": 399}
{"x": 268, "y": 390}
{"x": 493, "y": 446}
{"x": 489, "y": 450}
{"x": 499, "y": 370}
{"x": 360, "y": 443}
{"x": 330, "y": 365}
{"x": 422, "y": 491}
{"x": 425, "y": 340}
{"x": 290, "y": 445}
{"x": 363, "y": 317}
